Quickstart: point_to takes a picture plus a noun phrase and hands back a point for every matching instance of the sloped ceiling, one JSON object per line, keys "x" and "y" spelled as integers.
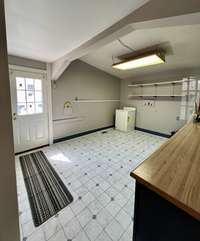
{"x": 47, "y": 29}
{"x": 181, "y": 44}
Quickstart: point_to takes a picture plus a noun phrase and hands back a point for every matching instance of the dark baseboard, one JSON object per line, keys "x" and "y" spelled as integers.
{"x": 81, "y": 134}
{"x": 153, "y": 132}
{"x": 104, "y": 128}
{"x": 33, "y": 149}
{"x": 92, "y": 131}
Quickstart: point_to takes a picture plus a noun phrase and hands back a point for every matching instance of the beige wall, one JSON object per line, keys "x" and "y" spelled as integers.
{"x": 164, "y": 116}
{"x": 85, "y": 82}
{"x": 9, "y": 227}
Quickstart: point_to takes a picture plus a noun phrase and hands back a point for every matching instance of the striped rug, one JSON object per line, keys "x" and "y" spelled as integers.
{"x": 46, "y": 192}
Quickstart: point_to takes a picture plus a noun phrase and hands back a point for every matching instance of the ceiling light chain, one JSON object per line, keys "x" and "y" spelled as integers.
{"x": 124, "y": 45}
{"x": 113, "y": 59}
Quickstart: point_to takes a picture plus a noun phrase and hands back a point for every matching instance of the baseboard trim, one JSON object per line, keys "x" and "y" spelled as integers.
{"x": 32, "y": 149}
{"x": 81, "y": 134}
{"x": 92, "y": 131}
{"x": 153, "y": 132}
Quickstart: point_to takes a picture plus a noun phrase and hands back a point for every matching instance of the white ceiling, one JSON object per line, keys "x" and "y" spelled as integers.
{"x": 48, "y": 29}
{"x": 181, "y": 42}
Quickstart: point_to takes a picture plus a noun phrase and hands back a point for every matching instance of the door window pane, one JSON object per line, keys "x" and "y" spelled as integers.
{"x": 30, "y": 96}
{"x": 38, "y": 84}
{"x": 29, "y": 84}
{"x": 20, "y": 83}
{"x": 38, "y": 96}
{"x": 38, "y": 107}
{"x": 30, "y": 108}
{"x": 21, "y": 109}
{"x": 21, "y": 96}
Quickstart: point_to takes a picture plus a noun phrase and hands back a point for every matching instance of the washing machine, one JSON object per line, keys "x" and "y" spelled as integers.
{"x": 125, "y": 119}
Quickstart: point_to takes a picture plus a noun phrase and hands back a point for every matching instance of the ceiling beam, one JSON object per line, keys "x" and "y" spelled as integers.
{"x": 143, "y": 17}
{"x": 116, "y": 31}
{"x": 182, "y": 20}
{"x": 58, "y": 67}
{"x": 109, "y": 35}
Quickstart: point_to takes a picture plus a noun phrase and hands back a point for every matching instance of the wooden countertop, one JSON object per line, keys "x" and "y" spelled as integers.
{"x": 173, "y": 171}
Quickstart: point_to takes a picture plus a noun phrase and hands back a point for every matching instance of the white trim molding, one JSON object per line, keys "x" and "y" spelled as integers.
{"x": 49, "y": 102}
{"x": 47, "y": 74}
{"x": 26, "y": 69}
{"x": 58, "y": 68}
{"x": 93, "y": 101}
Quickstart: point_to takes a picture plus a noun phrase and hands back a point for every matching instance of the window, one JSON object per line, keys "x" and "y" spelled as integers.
{"x": 191, "y": 94}
{"x": 29, "y": 96}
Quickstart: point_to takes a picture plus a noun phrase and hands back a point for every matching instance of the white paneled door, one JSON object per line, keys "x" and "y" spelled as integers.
{"x": 29, "y": 109}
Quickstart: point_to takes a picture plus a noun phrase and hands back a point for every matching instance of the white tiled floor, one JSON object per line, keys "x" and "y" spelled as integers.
{"x": 96, "y": 169}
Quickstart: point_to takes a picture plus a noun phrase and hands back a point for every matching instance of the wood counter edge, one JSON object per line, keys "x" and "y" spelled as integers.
{"x": 166, "y": 196}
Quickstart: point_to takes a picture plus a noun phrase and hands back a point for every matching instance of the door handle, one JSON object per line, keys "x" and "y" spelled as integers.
{"x": 14, "y": 116}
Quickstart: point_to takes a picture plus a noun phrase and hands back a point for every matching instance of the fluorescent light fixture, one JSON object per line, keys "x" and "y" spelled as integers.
{"x": 140, "y": 61}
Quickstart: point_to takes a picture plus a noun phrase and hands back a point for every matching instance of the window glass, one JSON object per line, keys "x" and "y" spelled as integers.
{"x": 30, "y": 108}
{"x": 184, "y": 100}
{"x": 185, "y": 86}
{"x": 21, "y": 96}
{"x": 183, "y": 113}
{"x": 192, "y": 85}
{"x": 38, "y": 107}
{"x": 38, "y": 84}
{"x": 29, "y": 84}
{"x": 38, "y": 96}
{"x": 29, "y": 96}
{"x": 21, "y": 108}
{"x": 198, "y": 84}
{"x": 191, "y": 97}
{"x": 20, "y": 83}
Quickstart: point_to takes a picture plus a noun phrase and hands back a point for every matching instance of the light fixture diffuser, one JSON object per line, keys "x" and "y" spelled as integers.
{"x": 140, "y": 61}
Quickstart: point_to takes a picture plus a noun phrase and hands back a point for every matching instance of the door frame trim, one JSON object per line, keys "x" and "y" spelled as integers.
{"x": 26, "y": 69}
{"x": 47, "y": 74}
{"x": 49, "y": 103}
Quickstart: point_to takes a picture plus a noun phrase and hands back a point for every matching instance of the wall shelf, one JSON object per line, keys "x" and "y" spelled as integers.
{"x": 156, "y": 96}
{"x": 158, "y": 83}
{"x": 170, "y": 89}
